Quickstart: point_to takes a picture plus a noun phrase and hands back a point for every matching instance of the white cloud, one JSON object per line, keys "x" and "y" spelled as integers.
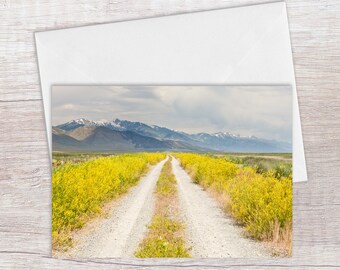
{"x": 263, "y": 111}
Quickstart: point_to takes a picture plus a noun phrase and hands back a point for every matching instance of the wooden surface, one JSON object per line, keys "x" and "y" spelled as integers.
{"x": 25, "y": 184}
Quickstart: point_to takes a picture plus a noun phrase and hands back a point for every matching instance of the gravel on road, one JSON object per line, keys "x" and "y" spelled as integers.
{"x": 118, "y": 236}
{"x": 209, "y": 231}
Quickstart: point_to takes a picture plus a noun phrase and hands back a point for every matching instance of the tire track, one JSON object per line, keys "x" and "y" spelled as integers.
{"x": 119, "y": 235}
{"x": 209, "y": 232}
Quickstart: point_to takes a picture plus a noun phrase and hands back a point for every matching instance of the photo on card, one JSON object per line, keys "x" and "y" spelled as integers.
{"x": 145, "y": 171}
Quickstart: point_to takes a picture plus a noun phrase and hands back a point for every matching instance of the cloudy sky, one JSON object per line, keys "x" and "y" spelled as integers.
{"x": 262, "y": 111}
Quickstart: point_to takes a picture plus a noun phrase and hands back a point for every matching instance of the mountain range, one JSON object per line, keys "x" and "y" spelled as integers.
{"x": 126, "y": 136}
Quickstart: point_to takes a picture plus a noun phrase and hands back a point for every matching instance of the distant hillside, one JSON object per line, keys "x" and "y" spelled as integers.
{"x": 122, "y": 135}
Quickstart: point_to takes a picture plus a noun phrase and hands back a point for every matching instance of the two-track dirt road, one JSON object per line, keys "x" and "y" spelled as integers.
{"x": 209, "y": 232}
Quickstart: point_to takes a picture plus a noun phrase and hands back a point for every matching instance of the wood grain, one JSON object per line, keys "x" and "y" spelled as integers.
{"x": 25, "y": 185}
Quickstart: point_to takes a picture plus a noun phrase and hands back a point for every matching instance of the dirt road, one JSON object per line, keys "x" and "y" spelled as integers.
{"x": 209, "y": 232}
{"x": 118, "y": 236}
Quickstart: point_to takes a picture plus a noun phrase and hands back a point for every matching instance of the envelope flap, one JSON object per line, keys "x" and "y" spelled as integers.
{"x": 178, "y": 44}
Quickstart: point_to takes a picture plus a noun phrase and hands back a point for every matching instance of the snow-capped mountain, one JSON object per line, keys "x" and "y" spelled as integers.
{"x": 144, "y": 136}
{"x": 73, "y": 124}
{"x": 124, "y": 125}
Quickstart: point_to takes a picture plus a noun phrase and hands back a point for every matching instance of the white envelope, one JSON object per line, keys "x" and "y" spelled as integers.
{"x": 244, "y": 46}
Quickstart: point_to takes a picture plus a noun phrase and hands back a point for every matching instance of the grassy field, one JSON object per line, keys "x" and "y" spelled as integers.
{"x": 261, "y": 202}
{"x": 255, "y": 189}
{"x": 80, "y": 188}
{"x": 279, "y": 155}
{"x": 165, "y": 237}
{"x": 61, "y": 158}
{"x": 279, "y": 165}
